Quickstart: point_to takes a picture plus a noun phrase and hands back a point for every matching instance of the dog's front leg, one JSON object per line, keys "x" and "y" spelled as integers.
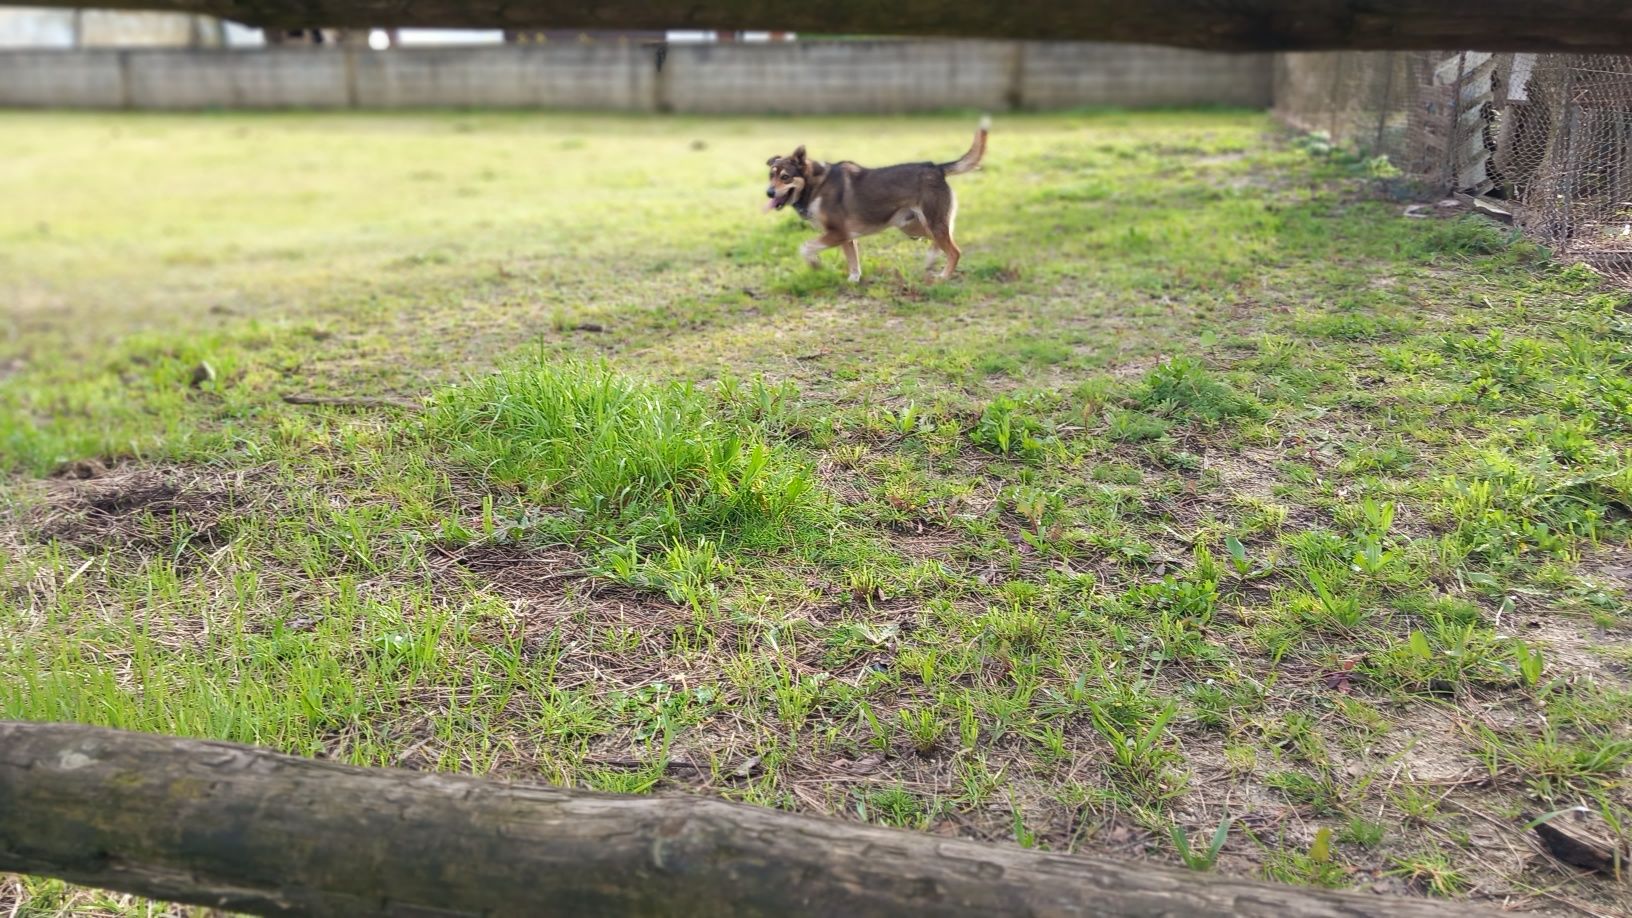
{"x": 814, "y": 247}
{"x": 852, "y": 254}
{"x": 810, "y": 249}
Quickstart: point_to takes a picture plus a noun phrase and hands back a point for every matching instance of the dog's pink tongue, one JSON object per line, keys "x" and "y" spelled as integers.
{"x": 770, "y": 205}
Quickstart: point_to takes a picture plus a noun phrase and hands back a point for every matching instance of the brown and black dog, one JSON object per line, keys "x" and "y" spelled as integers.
{"x": 846, "y": 201}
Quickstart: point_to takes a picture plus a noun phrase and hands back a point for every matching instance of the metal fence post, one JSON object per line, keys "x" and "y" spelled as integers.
{"x": 1452, "y": 117}
{"x": 1387, "y": 100}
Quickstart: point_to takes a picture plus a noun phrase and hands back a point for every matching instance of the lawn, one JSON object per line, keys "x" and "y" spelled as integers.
{"x": 1212, "y": 492}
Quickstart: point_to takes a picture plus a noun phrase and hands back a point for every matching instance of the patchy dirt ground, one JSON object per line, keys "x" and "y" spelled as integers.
{"x": 1213, "y": 492}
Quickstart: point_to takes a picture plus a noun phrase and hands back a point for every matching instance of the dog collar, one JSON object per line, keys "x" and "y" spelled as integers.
{"x": 801, "y": 204}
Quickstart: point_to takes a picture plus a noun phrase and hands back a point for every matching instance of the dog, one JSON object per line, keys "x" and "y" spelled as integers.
{"x": 846, "y": 201}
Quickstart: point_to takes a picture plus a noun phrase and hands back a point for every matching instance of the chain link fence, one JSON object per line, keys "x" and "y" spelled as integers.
{"x": 1544, "y": 140}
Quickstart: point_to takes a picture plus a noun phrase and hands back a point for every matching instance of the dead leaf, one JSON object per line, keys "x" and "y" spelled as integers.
{"x": 867, "y": 764}
{"x": 1338, "y": 680}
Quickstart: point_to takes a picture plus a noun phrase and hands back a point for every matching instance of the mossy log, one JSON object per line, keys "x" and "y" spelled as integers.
{"x": 254, "y": 831}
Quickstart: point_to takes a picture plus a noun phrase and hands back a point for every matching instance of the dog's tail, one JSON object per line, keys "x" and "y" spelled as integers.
{"x": 971, "y": 160}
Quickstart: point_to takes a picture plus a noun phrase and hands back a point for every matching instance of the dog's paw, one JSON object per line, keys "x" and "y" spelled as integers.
{"x": 855, "y": 278}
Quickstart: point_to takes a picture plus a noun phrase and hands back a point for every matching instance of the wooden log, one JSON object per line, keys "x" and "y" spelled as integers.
{"x": 1242, "y": 25}
{"x": 250, "y": 830}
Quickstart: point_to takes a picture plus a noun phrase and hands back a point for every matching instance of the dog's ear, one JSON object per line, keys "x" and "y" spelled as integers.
{"x": 771, "y": 161}
{"x": 799, "y": 154}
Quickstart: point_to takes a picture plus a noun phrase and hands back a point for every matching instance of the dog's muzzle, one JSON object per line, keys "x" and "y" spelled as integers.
{"x": 778, "y": 199}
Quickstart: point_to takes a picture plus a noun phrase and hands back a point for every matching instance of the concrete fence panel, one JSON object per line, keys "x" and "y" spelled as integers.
{"x": 1072, "y": 74}
{"x": 61, "y": 79}
{"x": 284, "y": 78}
{"x": 875, "y": 77}
{"x": 839, "y": 77}
{"x": 604, "y": 77}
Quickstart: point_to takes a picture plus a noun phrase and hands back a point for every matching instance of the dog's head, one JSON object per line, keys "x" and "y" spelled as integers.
{"x": 789, "y": 175}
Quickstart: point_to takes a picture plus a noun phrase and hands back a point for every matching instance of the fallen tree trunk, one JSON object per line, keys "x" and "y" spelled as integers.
{"x": 250, "y": 830}
{"x": 1243, "y": 25}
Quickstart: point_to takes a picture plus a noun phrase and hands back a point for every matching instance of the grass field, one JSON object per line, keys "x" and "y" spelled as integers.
{"x": 1212, "y": 491}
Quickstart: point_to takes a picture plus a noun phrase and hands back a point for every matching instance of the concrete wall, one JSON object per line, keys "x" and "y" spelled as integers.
{"x": 602, "y": 77}
{"x": 39, "y": 28}
{"x": 36, "y": 27}
{"x": 1071, "y": 74}
{"x": 839, "y": 77}
{"x": 292, "y": 78}
{"x": 119, "y": 29}
{"x": 806, "y": 77}
{"x": 62, "y": 79}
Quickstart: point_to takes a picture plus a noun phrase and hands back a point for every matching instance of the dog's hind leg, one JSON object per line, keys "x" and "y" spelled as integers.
{"x": 943, "y": 239}
{"x": 939, "y": 215}
{"x": 852, "y": 254}
{"x": 919, "y": 229}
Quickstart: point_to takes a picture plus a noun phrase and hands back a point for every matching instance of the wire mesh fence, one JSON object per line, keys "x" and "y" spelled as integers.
{"x": 1545, "y": 139}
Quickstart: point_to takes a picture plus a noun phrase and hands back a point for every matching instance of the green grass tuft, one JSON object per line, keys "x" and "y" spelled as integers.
{"x": 622, "y": 458}
{"x": 1183, "y": 387}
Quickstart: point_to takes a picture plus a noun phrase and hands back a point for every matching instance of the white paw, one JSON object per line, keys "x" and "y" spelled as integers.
{"x": 855, "y": 277}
